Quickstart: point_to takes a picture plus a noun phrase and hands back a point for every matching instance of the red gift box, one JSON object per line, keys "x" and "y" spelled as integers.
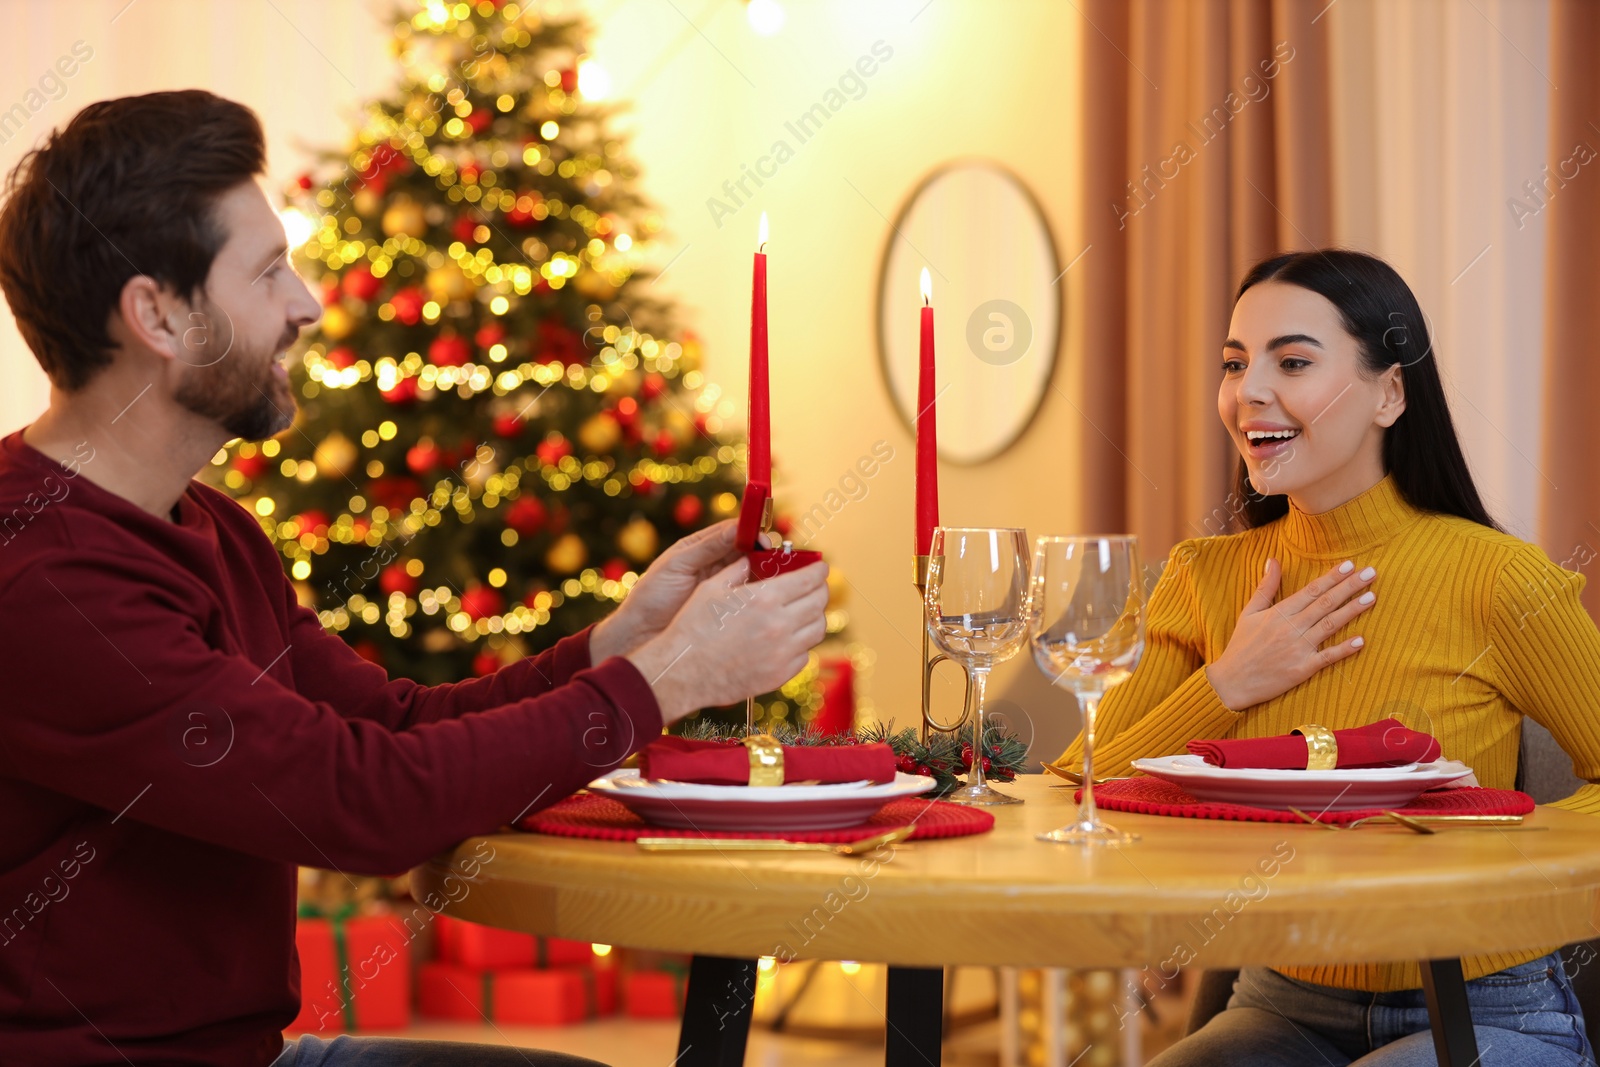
{"x": 554, "y": 997}
{"x": 355, "y": 974}
{"x": 484, "y": 947}
{"x": 653, "y": 995}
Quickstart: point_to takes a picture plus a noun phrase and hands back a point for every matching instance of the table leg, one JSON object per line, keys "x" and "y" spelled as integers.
{"x": 716, "y": 1012}
{"x": 1454, "y": 1042}
{"x": 915, "y": 1025}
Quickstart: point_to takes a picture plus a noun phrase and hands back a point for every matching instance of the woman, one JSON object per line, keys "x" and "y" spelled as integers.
{"x": 1400, "y": 596}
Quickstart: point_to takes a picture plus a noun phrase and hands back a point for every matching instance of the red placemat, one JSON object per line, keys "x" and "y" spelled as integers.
{"x": 1153, "y": 796}
{"x": 604, "y": 819}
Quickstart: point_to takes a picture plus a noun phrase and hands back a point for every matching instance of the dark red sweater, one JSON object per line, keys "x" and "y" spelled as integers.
{"x": 177, "y": 734}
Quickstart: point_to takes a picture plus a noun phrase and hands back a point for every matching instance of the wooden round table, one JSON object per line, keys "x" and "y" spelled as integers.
{"x": 1232, "y": 893}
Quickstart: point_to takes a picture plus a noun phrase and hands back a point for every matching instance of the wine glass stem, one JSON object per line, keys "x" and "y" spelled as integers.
{"x": 1089, "y": 702}
{"x": 979, "y": 680}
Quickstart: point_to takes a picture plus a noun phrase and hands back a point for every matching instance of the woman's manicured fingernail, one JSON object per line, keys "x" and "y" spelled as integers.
{"x": 1365, "y": 598}
{"x": 1367, "y": 575}
{"x": 1358, "y": 641}
{"x": 1346, "y": 567}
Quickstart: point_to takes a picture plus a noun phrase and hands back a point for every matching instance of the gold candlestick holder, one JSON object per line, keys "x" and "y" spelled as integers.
{"x": 930, "y": 662}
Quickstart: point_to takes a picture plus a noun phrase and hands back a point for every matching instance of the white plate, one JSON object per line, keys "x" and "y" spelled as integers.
{"x": 1338, "y": 790}
{"x": 755, "y": 808}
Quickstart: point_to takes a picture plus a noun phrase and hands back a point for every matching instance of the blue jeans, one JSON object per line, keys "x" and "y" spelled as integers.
{"x": 346, "y": 1051}
{"x": 1524, "y": 1016}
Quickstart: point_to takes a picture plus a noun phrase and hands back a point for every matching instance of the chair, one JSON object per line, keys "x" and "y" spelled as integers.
{"x": 1544, "y": 772}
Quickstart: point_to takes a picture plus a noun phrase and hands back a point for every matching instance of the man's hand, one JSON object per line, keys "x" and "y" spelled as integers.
{"x": 662, "y": 590}
{"x": 734, "y": 638}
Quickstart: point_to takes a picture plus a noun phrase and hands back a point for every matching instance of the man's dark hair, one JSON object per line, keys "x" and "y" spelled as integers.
{"x": 128, "y": 187}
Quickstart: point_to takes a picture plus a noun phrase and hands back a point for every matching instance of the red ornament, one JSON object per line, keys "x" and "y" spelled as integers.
{"x": 394, "y": 492}
{"x": 304, "y": 181}
{"x": 553, "y": 450}
{"x": 481, "y": 601}
{"x": 557, "y": 342}
{"x": 402, "y": 393}
{"x": 508, "y": 426}
{"x": 479, "y": 121}
{"x": 359, "y": 282}
{"x": 612, "y": 570}
{"x": 330, "y": 290}
{"x": 469, "y": 171}
{"x": 489, "y": 336}
{"x": 463, "y": 228}
{"x": 654, "y": 385}
{"x": 664, "y": 444}
{"x": 485, "y": 663}
{"x": 359, "y": 526}
{"x": 369, "y": 651}
{"x": 688, "y": 509}
{"x": 251, "y": 467}
{"x": 569, "y": 80}
{"x": 423, "y": 458}
{"x": 407, "y": 304}
{"x": 527, "y": 515}
{"x": 312, "y": 521}
{"x": 783, "y": 523}
{"x": 449, "y": 350}
{"x": 520, "y": 213}
{"x": 394, "y": 579}
{"x": 646, "y": 487}
{"x": 626, "y": 411}
{"x": 342, "y": 357}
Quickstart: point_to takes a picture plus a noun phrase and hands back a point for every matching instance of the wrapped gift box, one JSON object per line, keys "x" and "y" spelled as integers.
{"x": 556, "y": 996}
{"x": 484, "y": 947}
{"x": 653, "y": 994}
{"x": 355, "y": 973}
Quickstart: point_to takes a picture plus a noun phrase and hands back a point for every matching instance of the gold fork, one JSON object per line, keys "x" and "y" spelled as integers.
{"x": 742, "y": 844}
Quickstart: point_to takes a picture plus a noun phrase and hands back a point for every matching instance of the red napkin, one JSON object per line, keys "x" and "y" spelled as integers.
{"x": 717, "y": 763}
{"x": 1381, "y": 744}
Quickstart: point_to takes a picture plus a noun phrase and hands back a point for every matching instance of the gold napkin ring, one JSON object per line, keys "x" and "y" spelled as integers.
{"x": 766, "y": 759}
{"x": 1322, "y": 751}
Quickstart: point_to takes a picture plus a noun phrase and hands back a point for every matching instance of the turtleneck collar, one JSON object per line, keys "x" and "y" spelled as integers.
{"x": 1360, "y": 522}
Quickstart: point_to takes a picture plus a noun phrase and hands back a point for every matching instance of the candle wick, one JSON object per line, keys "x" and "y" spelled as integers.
{"x": 762, "y": 250}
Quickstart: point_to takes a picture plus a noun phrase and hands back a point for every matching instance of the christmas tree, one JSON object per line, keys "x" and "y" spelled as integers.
{"x": 497, "y": 431}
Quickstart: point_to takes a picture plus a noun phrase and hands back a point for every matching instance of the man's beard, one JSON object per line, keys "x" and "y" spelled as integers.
{"x": 239, "y": 390}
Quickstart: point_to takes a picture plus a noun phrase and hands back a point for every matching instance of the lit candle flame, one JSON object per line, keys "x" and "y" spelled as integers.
{"x": 927, "y": 287}
{"x": 761, "y": 234}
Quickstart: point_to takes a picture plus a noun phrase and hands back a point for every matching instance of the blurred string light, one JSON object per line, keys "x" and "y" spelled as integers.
{"x": 297, "y": 226}
{"x": 594, "y": 81}
{"x": 766, "y": 16}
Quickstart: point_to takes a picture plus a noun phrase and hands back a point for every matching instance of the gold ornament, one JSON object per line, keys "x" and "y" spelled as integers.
{"x": 680, "y": 426}
{"x": 567, "y": 555}
{"x": 476, "y": 472}
{"x": 337, "y": 323}
{"x": 600, "y": 433}
{"x": 366, "y": 202}
{"x": 592, "y": 284}
{"x": 439, "y": 640}
{"x": 447, "y": 283}
{"x": 305, "y": 596}
{"x": 625, "y": 384}
{"x": 404, "y": 216}
{"x": 639, "y": 540}
{"x": 336, "y": 456}
{"x": 689, "y": 357}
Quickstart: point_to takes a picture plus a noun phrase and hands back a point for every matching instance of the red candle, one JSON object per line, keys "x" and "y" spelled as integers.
{"x": 758, "y": 477}
{"x": 927, "y": 426}
{"x": 760, "y": 407}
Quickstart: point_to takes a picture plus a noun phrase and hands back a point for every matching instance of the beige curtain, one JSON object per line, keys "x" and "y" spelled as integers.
{"x": 1570, "y": 493}
{"x": 1207, "y": 147}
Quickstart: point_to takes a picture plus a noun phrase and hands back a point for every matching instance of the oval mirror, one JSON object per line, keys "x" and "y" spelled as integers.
{"x": 997, "y": 310}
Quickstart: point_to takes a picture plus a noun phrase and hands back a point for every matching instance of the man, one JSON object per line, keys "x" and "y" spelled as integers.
{"x": 147, "y": 881}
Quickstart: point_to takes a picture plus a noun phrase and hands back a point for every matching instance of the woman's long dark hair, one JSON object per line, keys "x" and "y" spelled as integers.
{"x": 1380, "y": 312}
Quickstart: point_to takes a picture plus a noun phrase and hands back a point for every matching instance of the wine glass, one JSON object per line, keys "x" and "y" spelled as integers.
{"x": 977, "y": 613}
{"x": 1087, "y": 607}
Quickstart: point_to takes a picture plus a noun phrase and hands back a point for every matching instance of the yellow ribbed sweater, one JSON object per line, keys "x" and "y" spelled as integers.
{"x": 1471, "y": 630}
